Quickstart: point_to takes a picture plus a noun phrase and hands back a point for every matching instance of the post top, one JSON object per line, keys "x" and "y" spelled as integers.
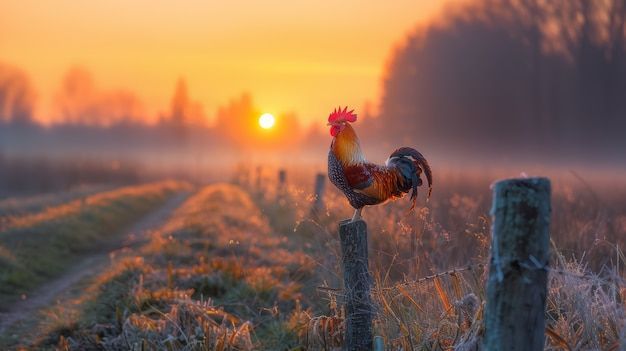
{"x": 348, "y": 222}
{"x": 530, "y": 182}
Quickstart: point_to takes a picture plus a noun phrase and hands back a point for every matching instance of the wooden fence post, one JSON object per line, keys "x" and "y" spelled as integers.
{"x": 282, "y": 180}
{"x": 517, "y": 284}
{"x": 357, "y": 282}
{"x": 259, "y": 178}
{"x": 318, "y": 204}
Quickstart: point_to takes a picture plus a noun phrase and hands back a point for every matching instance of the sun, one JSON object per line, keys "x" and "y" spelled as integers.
{"x": 267, "y": 120}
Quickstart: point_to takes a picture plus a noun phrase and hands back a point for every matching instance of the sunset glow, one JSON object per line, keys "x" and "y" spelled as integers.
{"x": 267, "y": 120}
{"x": 143, "y": 47}
{"x": 233, "y": 156}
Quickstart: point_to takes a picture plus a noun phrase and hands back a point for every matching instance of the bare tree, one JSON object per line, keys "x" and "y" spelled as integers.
{"x": 183, "y": 111}
{"x": 17, "y": 96}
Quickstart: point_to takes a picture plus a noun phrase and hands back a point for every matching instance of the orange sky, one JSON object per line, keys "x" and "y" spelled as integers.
{"x": 302, "y": 56}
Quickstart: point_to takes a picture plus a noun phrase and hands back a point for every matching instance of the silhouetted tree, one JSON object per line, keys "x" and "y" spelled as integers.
{"x": 525, "y": 76}
{"x": 183, "y": 113}
{"x": 237, "y": 120}
{"x": 17, "y": 96}
{"x": 180, "y": 104}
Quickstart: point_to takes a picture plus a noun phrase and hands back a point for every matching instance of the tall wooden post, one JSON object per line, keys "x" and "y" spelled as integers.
{"x": 281, "y": 187}
{"x": 282, "y": 180}
{"x": 318, "y": 204}
{"x": 517, "y": 284}
{"x": 259, "y": 183}
{"x": 357, "y": 282}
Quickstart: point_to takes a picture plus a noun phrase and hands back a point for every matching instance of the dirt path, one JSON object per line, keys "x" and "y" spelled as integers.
{"x": 138, "y": 233}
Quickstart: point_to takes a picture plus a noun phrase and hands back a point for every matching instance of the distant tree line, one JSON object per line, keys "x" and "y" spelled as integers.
{"x": 526, "y": 76}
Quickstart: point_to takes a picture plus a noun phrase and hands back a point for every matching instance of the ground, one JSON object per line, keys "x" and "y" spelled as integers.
{"x": 248, "y": 267}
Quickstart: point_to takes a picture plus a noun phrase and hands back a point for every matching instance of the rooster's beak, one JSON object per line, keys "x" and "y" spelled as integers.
{"x": 329, "y": 124}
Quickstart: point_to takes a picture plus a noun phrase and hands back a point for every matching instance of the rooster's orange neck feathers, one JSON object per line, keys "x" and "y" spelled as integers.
{"x": 346, "y": 147}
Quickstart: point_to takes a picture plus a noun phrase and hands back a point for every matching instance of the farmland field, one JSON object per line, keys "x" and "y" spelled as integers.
{"x": 248, "y": 265}
{"x": 184, "y": 176}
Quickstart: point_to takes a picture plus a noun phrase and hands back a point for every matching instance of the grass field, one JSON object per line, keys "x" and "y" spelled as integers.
{"x": 37, "y": 246}
{"x": 248, "y": 266}
{"x": 429, "y": 270}
{"x": 214, "y": 277}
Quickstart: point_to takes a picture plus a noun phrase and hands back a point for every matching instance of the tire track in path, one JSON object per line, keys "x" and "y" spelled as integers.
{"x": 21, "y": 313}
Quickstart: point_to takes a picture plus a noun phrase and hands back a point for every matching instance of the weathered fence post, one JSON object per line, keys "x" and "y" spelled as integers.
{"x": 282, "y": 180}
{"x": 517, "y": 284}
{"x": 357, "y": 282}
{"x": 259, "y": 178}
{"x": 258, "y": 186}
{"x": 281, "y": 187}
{"x": 318, "y": 204}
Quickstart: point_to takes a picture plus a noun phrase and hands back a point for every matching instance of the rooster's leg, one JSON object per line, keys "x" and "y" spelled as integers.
{"x": 357, "y": 214}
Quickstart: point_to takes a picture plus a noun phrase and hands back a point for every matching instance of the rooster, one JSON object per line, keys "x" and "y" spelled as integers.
{"x": 366, "y": 183}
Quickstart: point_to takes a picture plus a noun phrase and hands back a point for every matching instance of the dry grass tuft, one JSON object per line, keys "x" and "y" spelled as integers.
{"x": 188, "y": 325}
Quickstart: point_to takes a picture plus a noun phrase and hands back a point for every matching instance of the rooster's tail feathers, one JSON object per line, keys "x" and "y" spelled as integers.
{"x": 412, "y": 169}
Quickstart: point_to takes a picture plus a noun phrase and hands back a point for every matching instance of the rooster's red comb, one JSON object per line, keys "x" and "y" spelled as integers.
{"x": 339, "y": 115}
